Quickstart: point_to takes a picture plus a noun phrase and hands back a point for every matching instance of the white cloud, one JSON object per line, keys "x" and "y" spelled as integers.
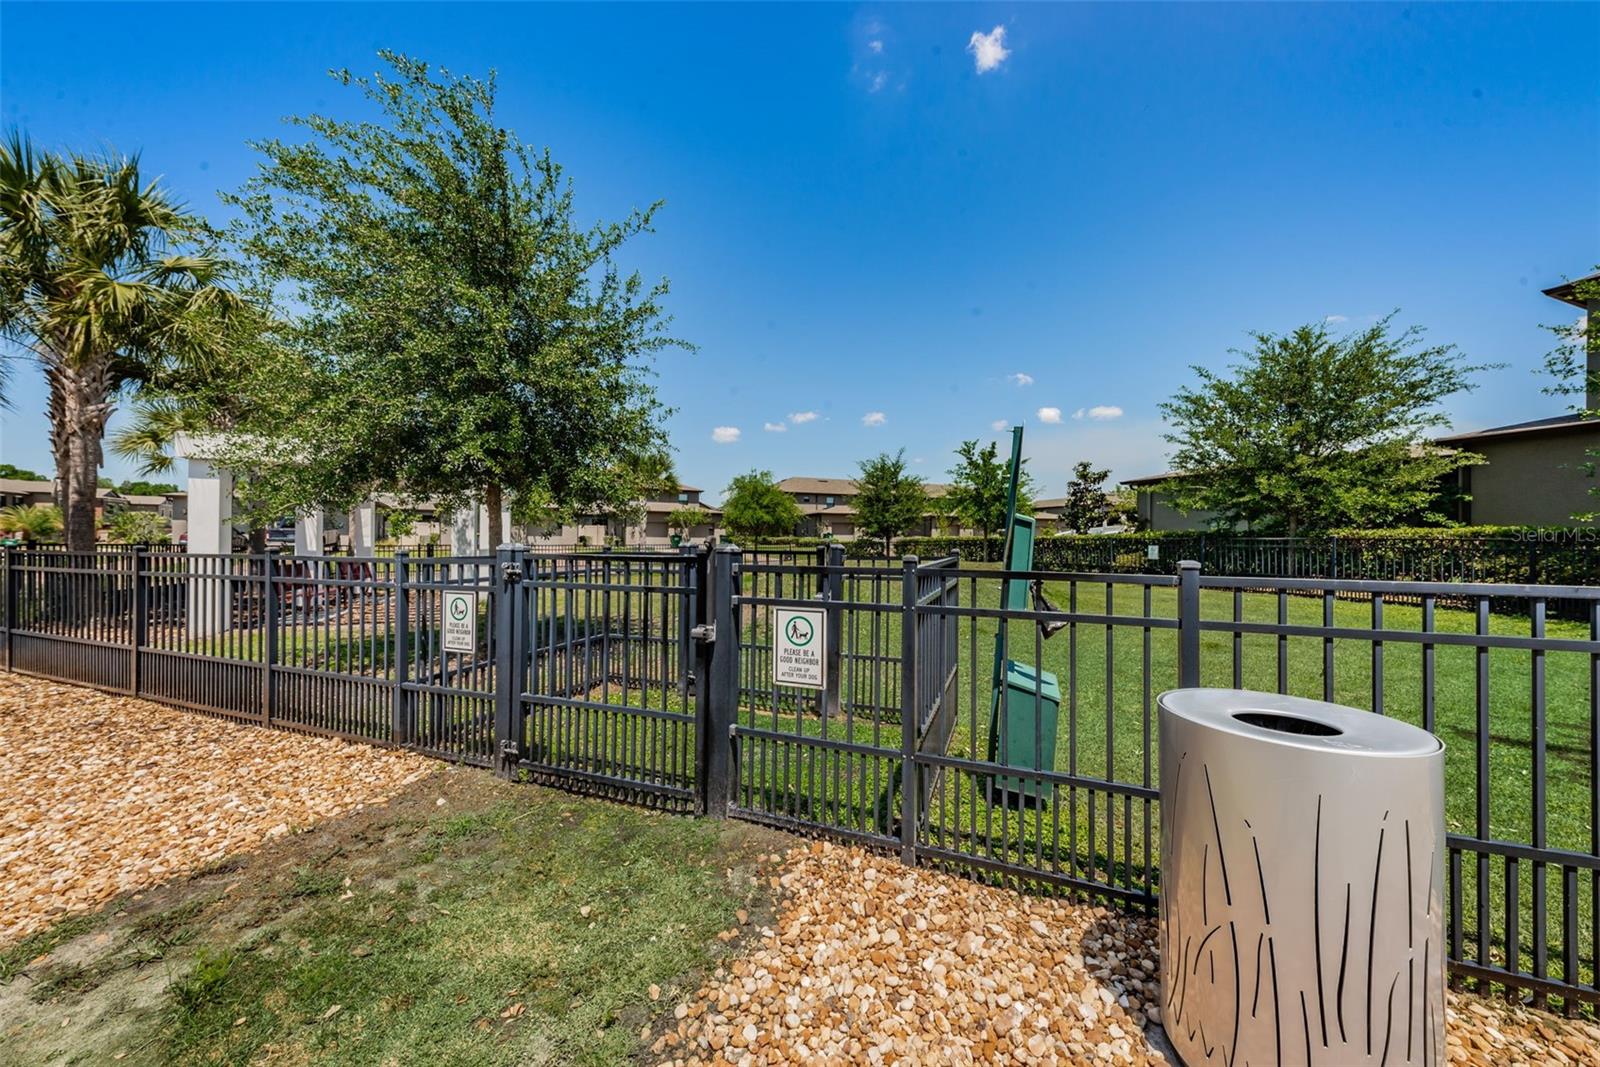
{"x": 988, "y": 49}
{"x": 725, "y": 435}
{"x": 878, "y": 81}
{"x": 774, "y": 427}
{"x": 1099, "y": 413}
{"x": 874, "y": 418}
{"x": 999, "y": 424}
{"x": 1020, "y": 379}
{"x": 1336, "y": 318}
{"x": 876, "y": 46}
{"x": 800, "y": 418}
{"x": 1049, "y": 414}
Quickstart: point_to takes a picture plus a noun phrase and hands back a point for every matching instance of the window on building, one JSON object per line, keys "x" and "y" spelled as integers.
{"x": 830, "y": 501}
{"x": 683, "y": 498}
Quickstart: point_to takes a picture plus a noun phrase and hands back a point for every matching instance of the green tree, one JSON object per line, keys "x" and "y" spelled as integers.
{"x": 32, "y": 522}
{"x": 889, "y": 499}
{"x": 1577, "y": 349}
{"x": 139, "y": 528}
{"x": 95, "y": 281}
{"x": 755, "y": 507}
{"x": 1086, "y": 498}
{"x": 978, "y": 487}
{"x": 687, "y": 518}
{"x": 21, "y": 474}
{"x": 460, "y": 336}
{"x": 1313, "y": 431}
{"x": 130, "y": 487}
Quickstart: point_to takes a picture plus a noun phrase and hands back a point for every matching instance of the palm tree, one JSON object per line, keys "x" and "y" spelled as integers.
{"x": 35, "y": 522}
{"x": 92, "y": 284}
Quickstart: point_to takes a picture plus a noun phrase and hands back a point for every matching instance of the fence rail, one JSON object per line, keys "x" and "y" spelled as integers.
{"x": 648, "y": 676}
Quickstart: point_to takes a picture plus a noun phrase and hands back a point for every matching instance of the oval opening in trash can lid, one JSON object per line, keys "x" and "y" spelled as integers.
{"x": 1279, "y": 719}
{"x": 1287, "y": 724}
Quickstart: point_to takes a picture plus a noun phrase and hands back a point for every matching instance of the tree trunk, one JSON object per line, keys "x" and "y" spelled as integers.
{"x": 78, "y": 410}
{"x": 491, "y": 503}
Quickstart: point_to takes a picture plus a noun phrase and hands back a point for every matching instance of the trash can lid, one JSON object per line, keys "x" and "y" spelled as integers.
{"x": 1299, "y": 722}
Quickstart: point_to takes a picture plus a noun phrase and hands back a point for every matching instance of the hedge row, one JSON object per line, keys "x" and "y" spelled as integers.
{"x": 1533, "y": 555}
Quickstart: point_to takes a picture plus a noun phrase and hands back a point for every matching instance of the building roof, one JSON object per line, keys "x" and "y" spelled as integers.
{"x": 667, "y": 507}
{"x": 1152, "y": 479}
{"x": 843, "y": 486}
{"x": 1050, "y": 503}
{"x": 25, "y": 485}
{"x": 836, "y": 486}
{"x": 1567, "y": 292}
{"x": 1557, "y": 424}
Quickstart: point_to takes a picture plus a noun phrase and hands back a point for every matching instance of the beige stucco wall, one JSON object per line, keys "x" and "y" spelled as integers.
{"x": 1533, "y": 479}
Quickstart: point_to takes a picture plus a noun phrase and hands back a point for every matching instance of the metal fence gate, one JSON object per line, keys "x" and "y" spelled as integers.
{"x": 600, "y": 657}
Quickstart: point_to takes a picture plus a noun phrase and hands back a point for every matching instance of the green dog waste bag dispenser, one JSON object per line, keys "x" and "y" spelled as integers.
{"x": 1025, "y": 699}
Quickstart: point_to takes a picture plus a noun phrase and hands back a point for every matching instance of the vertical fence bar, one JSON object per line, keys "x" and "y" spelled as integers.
{"x": 719, "y": 708}
{"x": 401, "y": 727}
{"x": 269, "y": 634}
{"x": 508, "y": 659}
{"x": 137, "y": 634}
{"x": 8, "y": 608}
{"x": 1188, "y": 623}
{"x": 908, "y": 710}
{"x": 833, "y": 584}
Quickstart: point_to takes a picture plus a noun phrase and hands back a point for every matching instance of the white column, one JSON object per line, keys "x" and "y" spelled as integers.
{"x": 308, "y": 530}
{"x": 364, "y": 529}
{"x": 464, "y": 532}
{"x": 481, "y": 537}
{"x": 210, "y": 534}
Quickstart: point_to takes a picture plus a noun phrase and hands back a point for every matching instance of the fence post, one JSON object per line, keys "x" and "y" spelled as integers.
{"x": 269, "y": 637}
{"x": 908, "y": 710}
{"x": 401, "y": 724}
{"x": 717, "y": 706}
{"x": 1188, "y": 624}
{"x": 508, "y": 659}
{"x": 136, "y": 629}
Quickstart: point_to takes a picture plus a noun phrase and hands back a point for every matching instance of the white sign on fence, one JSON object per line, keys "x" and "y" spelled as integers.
{"x": 460, "y": 622}
{"x": 797, "y": 657}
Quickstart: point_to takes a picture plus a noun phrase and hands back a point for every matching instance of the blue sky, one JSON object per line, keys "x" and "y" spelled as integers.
{"x": 862, "y": 225}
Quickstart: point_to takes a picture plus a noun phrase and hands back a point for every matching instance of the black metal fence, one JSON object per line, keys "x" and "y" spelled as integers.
{"x": 648, "y": 676}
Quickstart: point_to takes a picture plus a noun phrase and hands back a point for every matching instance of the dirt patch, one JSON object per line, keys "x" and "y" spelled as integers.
{"x": 107, "y": 795}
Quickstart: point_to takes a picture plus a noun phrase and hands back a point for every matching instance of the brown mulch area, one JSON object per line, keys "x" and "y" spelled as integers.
{"x": 102, "y": 795}
{"x": 869, "y": 961}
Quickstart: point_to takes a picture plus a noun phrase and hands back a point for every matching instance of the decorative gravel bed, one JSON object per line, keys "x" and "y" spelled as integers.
{"x": 102, "y": 795}
{"x": 869, "y": 961}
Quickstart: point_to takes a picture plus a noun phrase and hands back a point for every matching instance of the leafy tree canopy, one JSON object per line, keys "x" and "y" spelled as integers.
{"x": 457, "y": 334}
{"x": 1577, "y": 349}
{"x": 1086, "y": 505}
{"x": 1311, "y": 431}
{"x": 889, "y": 499}
{"x": 139, "y": 528}
{"x": 755, "y": 507}
{"x": 687, "y": 518}
{"x": 978, "y": 487}
{"x": 111, "y": 286}
{"x": 22, "y": 474}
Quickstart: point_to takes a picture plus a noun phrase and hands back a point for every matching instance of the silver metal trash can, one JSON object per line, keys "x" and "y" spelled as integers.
{"x": 1302, "y": 882}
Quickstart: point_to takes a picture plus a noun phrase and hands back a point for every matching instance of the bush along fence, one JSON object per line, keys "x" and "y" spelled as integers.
{"x": 856, "y": 699}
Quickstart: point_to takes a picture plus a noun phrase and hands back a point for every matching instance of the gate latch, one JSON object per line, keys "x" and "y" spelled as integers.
{"x": 508, "y": 747}
{"x": 511, "y": 572}
{"x": 706, "y": 631}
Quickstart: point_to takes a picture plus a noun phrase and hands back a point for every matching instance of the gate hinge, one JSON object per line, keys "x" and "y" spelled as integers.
{"x": 706, "y": 631}
{"x": 511, "y": 572}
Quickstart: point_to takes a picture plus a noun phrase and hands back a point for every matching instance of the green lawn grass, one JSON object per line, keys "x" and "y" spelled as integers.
{"x": 510, "y": 924}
